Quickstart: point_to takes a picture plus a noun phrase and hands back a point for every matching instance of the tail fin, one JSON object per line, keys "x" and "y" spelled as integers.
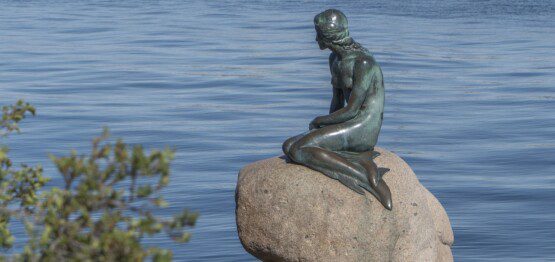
{"x": 382, "y": 171}
{"x": 351, "y": 183}
{"x": 369, "y": 154}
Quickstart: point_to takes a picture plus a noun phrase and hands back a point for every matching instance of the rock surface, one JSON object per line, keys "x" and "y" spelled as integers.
{"x": 287, "y": 212}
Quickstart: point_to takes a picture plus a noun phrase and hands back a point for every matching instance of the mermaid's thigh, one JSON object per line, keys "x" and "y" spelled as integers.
{"x": 329, "y": 137}
{"x": 347, "y": 136}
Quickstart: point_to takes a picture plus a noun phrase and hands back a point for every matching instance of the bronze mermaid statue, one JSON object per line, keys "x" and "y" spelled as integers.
{"x": 341, "y": 144}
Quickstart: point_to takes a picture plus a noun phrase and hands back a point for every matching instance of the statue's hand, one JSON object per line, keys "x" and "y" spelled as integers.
{"x": 315, "y": 124}
{"x": 311, "y": 126}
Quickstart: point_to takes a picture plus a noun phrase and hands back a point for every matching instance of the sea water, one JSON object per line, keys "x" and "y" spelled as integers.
{"x": 470, "y": 101}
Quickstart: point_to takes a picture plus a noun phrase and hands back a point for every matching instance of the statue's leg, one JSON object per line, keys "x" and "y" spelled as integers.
{"x": 335, "y": 166}
{"x": 325, "y": 161}
{"x": 315, "y": 149}
{"x": 318, "y": 150}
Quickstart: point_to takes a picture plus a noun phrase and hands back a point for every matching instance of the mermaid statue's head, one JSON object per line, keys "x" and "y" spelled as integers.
{"x": 331, "y": 29}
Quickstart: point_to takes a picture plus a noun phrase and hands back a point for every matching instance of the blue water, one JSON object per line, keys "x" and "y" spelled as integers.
{"x": 470, "y": 101}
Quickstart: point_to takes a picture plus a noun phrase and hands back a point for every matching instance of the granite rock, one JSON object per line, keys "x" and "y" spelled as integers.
{"x": 287, "y": 212}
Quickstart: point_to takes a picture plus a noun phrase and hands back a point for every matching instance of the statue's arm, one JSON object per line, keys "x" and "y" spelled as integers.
{"x": 337, "y": 101}
{"x": 361, "y": 82}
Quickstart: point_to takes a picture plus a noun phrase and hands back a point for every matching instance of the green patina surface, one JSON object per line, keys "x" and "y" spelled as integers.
{"x": 341, "y": 144}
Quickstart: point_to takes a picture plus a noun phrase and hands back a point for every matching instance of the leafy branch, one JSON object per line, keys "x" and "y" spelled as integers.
{"x": 107, "y": 204}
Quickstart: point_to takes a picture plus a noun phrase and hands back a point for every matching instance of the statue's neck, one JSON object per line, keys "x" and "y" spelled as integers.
{"x": 339, "y": 51}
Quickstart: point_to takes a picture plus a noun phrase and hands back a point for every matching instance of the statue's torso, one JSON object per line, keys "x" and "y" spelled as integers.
{"x": 369, "y": 120}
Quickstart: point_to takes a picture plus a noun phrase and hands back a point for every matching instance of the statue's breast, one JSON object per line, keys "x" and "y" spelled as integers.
{"x": 342, "y": 75}
{"x": 347, "y": 78}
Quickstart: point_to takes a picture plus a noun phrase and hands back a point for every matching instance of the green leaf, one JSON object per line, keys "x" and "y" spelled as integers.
{"x": 103, "y": 210}
{"x": 144, "y": 191}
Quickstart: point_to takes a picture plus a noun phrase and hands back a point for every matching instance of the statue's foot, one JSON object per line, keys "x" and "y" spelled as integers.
{"x": 384, "y": 195}
{"x": 372, "y": 171}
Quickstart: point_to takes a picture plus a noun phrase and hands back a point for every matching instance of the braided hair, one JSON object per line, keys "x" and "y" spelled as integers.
{"x": 332, "y": 26}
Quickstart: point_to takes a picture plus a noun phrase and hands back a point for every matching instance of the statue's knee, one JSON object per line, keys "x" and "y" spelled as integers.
{"x": 286, "y": 147}
{"x": 294, "y": 152}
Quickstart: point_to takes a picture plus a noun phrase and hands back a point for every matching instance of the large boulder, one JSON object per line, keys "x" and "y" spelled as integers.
{"x": 287, "y": 212}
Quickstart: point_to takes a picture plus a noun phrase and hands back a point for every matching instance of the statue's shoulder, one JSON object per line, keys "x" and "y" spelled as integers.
{"x": 365, "y": 60}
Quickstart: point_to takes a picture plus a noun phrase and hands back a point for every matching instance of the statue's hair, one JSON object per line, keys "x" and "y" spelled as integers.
{"x": 332, "y": 25}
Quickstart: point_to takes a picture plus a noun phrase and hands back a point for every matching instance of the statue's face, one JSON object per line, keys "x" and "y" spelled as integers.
{"x": 320, "y": 41}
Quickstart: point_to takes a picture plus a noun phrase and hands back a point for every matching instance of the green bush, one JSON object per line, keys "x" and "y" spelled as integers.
{"x": 106, "y": 206}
